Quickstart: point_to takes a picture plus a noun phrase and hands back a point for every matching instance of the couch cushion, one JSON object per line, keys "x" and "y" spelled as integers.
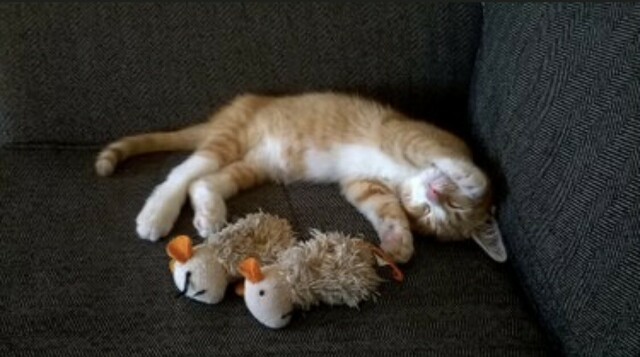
{"x": 556, "y": 106}
{"x": 76, "y": 280}
{"x": 89, "y": 73}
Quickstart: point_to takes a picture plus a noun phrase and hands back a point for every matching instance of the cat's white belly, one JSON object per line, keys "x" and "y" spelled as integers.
{"x": 354, "y": 161}
{"x": 270, "y": 156}
{"x": 332, "y": 165}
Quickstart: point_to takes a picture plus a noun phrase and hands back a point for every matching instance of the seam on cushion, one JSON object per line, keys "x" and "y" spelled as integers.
{"x": 294, "y": 214}
{"x": 530, "y": 291}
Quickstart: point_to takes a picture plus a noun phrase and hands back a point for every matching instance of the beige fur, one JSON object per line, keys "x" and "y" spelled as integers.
{"x": 331, "y": 268}
{"x": 214, "y": 263}
{"x": 258, "y": 235}
{"x": 385, "y": 163}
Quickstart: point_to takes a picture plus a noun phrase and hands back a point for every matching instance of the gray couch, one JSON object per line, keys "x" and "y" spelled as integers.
{"x": 548, "y": 96}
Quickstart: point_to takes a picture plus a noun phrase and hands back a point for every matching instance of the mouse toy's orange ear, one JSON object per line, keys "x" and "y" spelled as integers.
{"x": 180, "y": 248}
{"x": 250, "y": 269}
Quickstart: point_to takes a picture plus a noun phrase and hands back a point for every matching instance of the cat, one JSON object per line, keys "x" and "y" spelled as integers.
{"x": 402, "y": 174}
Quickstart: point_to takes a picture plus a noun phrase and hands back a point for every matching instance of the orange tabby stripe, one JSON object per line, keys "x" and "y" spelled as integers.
{"x": 377, "y": 195}
{"x": 244, "y": 175}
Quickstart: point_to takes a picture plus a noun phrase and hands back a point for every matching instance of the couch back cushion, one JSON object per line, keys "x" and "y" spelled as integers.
{"x": 88, "y": 73}
{"x": 556, "y": 105}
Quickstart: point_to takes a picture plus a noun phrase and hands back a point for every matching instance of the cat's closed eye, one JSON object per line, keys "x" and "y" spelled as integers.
{"x": 454, "y": 205}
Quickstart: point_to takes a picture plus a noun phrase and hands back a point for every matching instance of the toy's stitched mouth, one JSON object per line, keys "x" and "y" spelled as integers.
{"x": 288, "y": 314}
{"x": 187, "y": 280}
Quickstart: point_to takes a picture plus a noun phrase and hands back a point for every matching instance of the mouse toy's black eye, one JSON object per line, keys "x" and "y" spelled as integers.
{"x": 261, "y": 292}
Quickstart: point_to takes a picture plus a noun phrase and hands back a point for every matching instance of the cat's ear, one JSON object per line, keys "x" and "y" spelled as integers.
{"x": 490, "y": 240}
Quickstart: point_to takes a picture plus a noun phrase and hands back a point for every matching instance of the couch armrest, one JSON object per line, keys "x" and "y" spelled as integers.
{"x": 556, "y": 106}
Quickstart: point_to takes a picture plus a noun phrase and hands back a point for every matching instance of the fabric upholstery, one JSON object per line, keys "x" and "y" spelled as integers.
{"x": 556, "y": 106}
{"x": 76, "y": 280}
{"x": 78, "y": 73}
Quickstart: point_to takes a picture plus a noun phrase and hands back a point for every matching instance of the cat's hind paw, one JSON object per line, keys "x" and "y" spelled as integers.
{"x": 210, "y": 211}
{"x": 397, "y": 242}
{"x": 207, "y": 224}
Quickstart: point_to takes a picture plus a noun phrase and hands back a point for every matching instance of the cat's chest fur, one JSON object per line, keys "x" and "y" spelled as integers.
{"x": 329, "y": 164}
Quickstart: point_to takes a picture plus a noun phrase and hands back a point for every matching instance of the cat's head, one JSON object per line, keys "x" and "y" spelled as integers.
{"x": 437, "y": 206}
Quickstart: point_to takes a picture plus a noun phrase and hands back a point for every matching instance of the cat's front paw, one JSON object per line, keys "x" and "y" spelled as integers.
{"x": 470, "y": 179}
{"x": 397, "y": 241}
{"x": 158, "y": 215}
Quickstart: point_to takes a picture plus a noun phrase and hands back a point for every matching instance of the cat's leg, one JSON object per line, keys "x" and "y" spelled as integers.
{"x": 468, "y": 177}
{"x": 163, "y": 205}
{"x": 224, "y": 143}
{"x": 379, "y": 204}
{"x": 162, "y": 208}
{"x": 208, "y": 193}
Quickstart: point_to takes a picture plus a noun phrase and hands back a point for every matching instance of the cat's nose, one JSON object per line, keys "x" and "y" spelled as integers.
{"x": 432, "y": 194}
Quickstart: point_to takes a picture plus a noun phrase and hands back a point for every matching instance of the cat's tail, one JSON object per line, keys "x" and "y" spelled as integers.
{"x": 184, "y": 139}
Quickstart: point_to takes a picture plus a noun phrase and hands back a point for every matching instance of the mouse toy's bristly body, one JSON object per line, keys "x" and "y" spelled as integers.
{"x": 331, "y": 268}
{"x": 403, "y": 175}
{"x": 202, "y": 272}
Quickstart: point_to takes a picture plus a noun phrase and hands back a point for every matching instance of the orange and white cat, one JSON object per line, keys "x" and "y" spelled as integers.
{"x": 403, "y": 175}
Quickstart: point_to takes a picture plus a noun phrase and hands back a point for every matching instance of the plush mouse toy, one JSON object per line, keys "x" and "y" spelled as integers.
{"x": 331, "y": 268}
{"x": 202, "y": 272}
